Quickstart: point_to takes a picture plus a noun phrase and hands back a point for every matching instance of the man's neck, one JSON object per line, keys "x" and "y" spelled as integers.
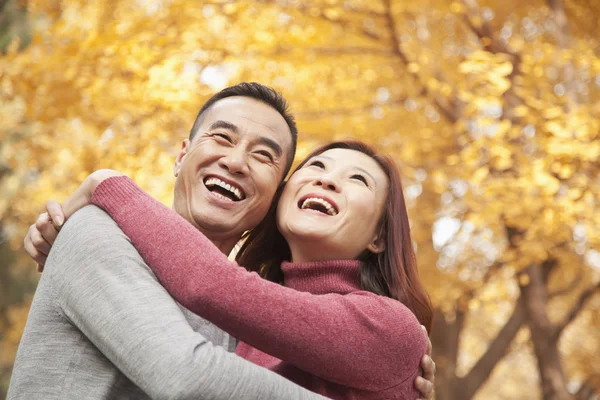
{"x": 225, "y": 244}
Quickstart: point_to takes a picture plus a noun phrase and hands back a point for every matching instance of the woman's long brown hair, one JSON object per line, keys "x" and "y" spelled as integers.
{"x": 392, "y": 273}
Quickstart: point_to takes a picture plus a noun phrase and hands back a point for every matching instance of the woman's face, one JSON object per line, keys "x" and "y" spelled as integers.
{"x": 330, "y": 209}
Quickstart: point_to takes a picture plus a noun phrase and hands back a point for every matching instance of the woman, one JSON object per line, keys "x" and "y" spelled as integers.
{"x": 345, "y": 323}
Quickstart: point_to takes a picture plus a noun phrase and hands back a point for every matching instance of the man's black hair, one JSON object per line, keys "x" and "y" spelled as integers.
{"x": 261, "y": 93}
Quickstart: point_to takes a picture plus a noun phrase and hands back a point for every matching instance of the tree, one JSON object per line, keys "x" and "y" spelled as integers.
{"x": 490, "y": 109}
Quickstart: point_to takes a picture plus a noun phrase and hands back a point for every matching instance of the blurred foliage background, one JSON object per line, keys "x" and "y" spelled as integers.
{"x": 490, "y": 107}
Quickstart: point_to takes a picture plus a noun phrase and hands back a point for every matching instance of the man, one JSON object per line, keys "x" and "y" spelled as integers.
{"x": 101, "y": 326}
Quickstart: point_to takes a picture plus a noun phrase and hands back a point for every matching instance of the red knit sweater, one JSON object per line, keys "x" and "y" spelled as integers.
{"x": 319, "y": 330}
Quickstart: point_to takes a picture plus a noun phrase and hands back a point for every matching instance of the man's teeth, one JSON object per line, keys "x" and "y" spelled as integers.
{"x": 216, "y": 181}
{"x": 312, "y": 200}
{"x": 219, "y": 195}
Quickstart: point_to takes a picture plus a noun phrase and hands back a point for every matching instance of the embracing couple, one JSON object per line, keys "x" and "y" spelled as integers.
{"x": 140, "y": 301}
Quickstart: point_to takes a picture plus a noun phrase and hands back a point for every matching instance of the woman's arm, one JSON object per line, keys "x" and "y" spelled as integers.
{"x": 360, "y": 340}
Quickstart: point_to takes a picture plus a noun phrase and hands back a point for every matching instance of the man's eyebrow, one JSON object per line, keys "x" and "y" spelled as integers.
{"x": 273, "y": 145}
{"x": 224, "y": 125}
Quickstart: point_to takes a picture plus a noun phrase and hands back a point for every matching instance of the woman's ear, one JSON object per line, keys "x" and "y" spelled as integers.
{"x": 378, "y": 244}
{"x": 179, "y": 160}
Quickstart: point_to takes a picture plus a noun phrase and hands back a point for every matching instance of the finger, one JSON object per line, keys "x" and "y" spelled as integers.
{"x": 428, "y": 368}
{"x": 424, "y": 387}
{"x": 32, "y": 251}
{"x": 40, "y": 268}
{"x": 56, "y": 214}
{"x": 38, "y": 241}
{"x": 48, "y": 231}
{"x": 42, "y": 220}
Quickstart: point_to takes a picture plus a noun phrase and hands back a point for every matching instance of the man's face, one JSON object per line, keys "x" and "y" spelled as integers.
{"x": 228, "y": 175}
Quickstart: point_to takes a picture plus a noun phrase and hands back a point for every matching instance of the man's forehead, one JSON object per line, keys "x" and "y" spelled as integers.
{"x": 244, "y": 108}
{"x": 250, "y": 116}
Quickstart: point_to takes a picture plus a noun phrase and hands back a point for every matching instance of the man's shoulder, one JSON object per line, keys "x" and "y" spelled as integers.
{"x": 86, "y": 224}
{"x": 88, "y": 233}
{"x": 87, "y": 217}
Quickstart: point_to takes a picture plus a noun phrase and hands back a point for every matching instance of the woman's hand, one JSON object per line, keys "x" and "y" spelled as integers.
{"x": 83, "y": 194}
{"x": 42, "y": 234}
{"x": 425, "y": 384}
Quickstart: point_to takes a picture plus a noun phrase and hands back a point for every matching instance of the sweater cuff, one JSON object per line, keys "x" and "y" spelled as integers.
{"x": 116, "y": 190}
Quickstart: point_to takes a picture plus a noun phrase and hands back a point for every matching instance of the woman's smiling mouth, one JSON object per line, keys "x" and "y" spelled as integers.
{"x": 318, "y": 203}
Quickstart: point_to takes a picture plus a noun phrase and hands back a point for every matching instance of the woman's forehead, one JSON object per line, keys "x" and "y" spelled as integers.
{"x": 350, "y": 158}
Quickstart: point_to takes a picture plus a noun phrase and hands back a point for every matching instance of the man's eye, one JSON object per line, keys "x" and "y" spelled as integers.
{"x": 360, "y": 178}
{"x": 317, "y": 164}
{"x": 265, "y": 154}
{"x": 222, "y": 136}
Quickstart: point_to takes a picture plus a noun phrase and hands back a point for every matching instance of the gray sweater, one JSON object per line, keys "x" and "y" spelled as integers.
{"x": 102, "y": 327}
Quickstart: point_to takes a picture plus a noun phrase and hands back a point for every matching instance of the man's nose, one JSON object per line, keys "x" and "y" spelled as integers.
{"x": 235, "y": 161}
{"x": 328, "y": 181}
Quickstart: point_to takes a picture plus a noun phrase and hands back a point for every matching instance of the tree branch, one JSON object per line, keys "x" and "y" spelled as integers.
{"x": 569, "y": 288}
{"x": 349, "y": 50}
{"x": 562, "y": 37}
{"x": 547, "y": 268}
{"x": 586, "y": 390}
{"x": 485, "y": 32}
{"x": 497, "y": 349}
{"x": 346, "y": 111}
{"x": 579, "y": 305}
{"x": 490, "y": 43}
{"x": 446, "y": 111}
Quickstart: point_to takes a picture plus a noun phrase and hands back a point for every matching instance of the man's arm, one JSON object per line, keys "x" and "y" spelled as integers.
{"x": 107, "y": 292}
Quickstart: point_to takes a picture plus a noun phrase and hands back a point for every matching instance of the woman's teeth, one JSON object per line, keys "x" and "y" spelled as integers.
{"x": 315, "y": 203}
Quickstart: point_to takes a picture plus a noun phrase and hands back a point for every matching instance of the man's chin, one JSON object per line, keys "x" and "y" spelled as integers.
{"x": 210, "y": 220}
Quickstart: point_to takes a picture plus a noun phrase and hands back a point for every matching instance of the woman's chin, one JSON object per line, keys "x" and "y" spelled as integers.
{"x": 305, "y": 232}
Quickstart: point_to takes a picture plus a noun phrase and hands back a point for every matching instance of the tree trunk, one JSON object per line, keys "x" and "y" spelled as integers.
{"x": 445, "y": 336}
{"x": 545, "y": 343}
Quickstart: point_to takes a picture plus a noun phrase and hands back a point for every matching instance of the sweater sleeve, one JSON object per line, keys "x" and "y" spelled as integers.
{"x": 104, "y": 289}
{"x": 359, "y": 340}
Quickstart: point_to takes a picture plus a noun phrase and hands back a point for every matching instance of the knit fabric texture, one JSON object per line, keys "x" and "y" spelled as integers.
{"x": 319, "y": 330}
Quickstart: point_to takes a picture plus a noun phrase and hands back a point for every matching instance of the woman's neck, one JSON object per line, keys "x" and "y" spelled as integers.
{"x": 314, "y": 251}
{"x": 322, "y": 277}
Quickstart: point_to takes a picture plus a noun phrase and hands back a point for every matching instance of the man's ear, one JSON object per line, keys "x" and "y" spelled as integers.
{"x": 180, "y": 157}
{"x": 377, "y": 245}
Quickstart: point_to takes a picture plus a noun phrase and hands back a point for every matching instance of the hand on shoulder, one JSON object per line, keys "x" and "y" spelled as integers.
{"x": 41, "y": 235}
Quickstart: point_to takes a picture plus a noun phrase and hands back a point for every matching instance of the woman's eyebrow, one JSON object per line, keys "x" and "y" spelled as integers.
{"x": 364, "y": 171}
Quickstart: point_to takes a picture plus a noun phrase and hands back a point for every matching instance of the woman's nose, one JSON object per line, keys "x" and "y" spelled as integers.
{"x": 327, "y": 182}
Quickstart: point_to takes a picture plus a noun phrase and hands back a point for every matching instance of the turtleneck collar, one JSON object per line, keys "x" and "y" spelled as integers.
{"x": 322, "y": 277}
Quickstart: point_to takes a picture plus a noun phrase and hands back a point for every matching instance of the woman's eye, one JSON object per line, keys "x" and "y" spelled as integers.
{"x": 317, "y": 164}
{"x": 360, "y": 178}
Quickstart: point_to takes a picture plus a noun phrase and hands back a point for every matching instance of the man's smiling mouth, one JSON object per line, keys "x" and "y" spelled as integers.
{"x": 224, "y": 190}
